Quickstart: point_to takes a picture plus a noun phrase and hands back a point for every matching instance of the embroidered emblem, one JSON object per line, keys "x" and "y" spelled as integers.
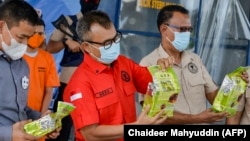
{"x": 75, "y": 97}
{"x": 76, "y": 94}
{"x": 125, "y": 76}
{"x": 192, "y": 68}
{"x": 104, "y": 93}
{"x": 25, "y": 82}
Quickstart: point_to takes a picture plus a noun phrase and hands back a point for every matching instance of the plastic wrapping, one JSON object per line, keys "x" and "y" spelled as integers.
{"x": 230, "y": 92}
{"x": 162, "y": 92}
{"x": 50, "y": 122}
{"x": 223, "y": 37}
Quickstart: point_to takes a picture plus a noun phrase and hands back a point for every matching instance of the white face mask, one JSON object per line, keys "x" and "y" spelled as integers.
{"x": 181, "y": 40}
{"x": 15, "y": 50}
{"x": 108, "y": 55}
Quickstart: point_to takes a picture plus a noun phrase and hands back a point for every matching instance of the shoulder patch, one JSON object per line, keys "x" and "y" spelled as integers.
{"x": 75, "y": 95}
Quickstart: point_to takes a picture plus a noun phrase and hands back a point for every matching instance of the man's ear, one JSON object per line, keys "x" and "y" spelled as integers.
{"x": 163, "y": 28}
{"x": 85, "y": 47}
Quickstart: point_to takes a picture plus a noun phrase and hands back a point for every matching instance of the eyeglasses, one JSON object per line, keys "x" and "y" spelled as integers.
{"x": 181, "y": 28}
{"x": 107, "y": 44}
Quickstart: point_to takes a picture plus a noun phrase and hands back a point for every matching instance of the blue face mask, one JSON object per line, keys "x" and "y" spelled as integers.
{"x": 109, "y": 55}
{"x": 181, "y": 40}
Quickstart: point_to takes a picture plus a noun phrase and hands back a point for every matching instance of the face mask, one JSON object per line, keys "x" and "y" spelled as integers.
{"x": 35, "y": 41}
{"x": 15, "y": 50}
{"x": 181, "y": 40}
{"x": 108, "y": 55}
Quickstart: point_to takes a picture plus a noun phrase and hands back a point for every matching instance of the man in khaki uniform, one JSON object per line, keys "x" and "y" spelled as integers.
{"x": 197, "y": 85}
{"x": 242, "y": 115}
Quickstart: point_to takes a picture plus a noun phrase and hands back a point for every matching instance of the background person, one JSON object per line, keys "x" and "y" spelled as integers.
{"x": 17, "y": 24}
{"x": 103, "y": 86}
{"x": 242, "y": 115}
{"x": 197, "y": 86}
{"x": 43, "y": 73}
{"x": 72, "y": 57}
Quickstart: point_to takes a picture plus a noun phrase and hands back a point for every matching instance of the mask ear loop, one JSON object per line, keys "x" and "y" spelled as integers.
{"x": 8, "y": 30}
{"x": 172, "y": 57}
{"x": 82, "y": 50}
{"x": 93, "y": 45}
{"x": 170, "y": 29}
{"x": 90, "y": 50}
{"x": 1, "y": 36}
{"x": 168, "y": 38}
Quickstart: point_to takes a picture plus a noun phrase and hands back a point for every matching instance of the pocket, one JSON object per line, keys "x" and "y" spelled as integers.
{"x": 109, "y": 109}
{"x": 196, "y": 91}
{"x": 130, "y": 98}
{"x": 196, "y": 81}
{"x": 129, "y": 90}
{"x": 106, "y": 101}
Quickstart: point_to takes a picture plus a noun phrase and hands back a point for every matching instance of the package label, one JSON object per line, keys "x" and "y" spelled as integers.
{"x": 162, "y": 92}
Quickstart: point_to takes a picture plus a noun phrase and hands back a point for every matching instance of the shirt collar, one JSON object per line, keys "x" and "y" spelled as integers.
{"x": 96, "y": 66}
{"x": 186, "y": 57}
{"x": 162, "y": 52}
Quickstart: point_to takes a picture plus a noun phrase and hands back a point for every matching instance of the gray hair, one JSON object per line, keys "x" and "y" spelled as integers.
{"x": 84, "y": 24}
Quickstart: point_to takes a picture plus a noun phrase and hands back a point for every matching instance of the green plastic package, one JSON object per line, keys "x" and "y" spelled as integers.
{"x": 232, "y": 89}
{"x": 50, "y": 122}
{"x": 162, "y": 92}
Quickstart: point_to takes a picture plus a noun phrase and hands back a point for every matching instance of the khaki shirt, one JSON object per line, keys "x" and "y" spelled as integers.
{"x": 244, "y": 106}
{"x": 57, "y": 35}
{"x": 193, "y": 77}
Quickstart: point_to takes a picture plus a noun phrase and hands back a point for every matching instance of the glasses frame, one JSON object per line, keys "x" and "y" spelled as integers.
{"x": 108, "y": 43}
{"x": 181, "y": 28}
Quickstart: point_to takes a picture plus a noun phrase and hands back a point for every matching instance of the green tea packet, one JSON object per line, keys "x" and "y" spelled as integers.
{"x": 162, "y": 92}
{"x": 232, "y": 89}
{"x": 50, "y": 122}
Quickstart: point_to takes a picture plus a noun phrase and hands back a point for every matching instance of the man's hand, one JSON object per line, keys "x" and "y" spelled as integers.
{"x": 145, "y": 119}
{"x": 18, "y": 133}
{"x": 245, "y": 76}
{"x": 46, "y": 113}
{"x": 73, "y": 45}
{"x": 165, "y": 62}
{"x": 209, "y": 116}
{"x": 54, "y": 134}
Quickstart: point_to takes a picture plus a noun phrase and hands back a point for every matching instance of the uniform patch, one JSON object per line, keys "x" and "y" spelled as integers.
{"x": 104, "y": 93}
{"x": 25, "y": 82}
{"x": 125, "y": 76}
{"x": 75, "y": 96}
{"x": 192, "y": 68}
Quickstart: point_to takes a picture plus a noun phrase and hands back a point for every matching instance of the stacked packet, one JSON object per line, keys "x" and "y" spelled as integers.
{"x": 50, "y": 122}
{"x": 232, "y": 89}
{"x": 162, "y": 92}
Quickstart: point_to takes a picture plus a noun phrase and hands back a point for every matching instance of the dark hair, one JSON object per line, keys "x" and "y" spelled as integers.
{"x": 41, "y": 22}
{"x": 15, "y": 11}
{"x": 93, "y": 17}
{"x": 88, "y": 5}
{"x": 166, "y": 13}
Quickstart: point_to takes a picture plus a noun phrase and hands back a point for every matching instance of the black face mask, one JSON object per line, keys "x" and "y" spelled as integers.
{"x": 88, "y": 5}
